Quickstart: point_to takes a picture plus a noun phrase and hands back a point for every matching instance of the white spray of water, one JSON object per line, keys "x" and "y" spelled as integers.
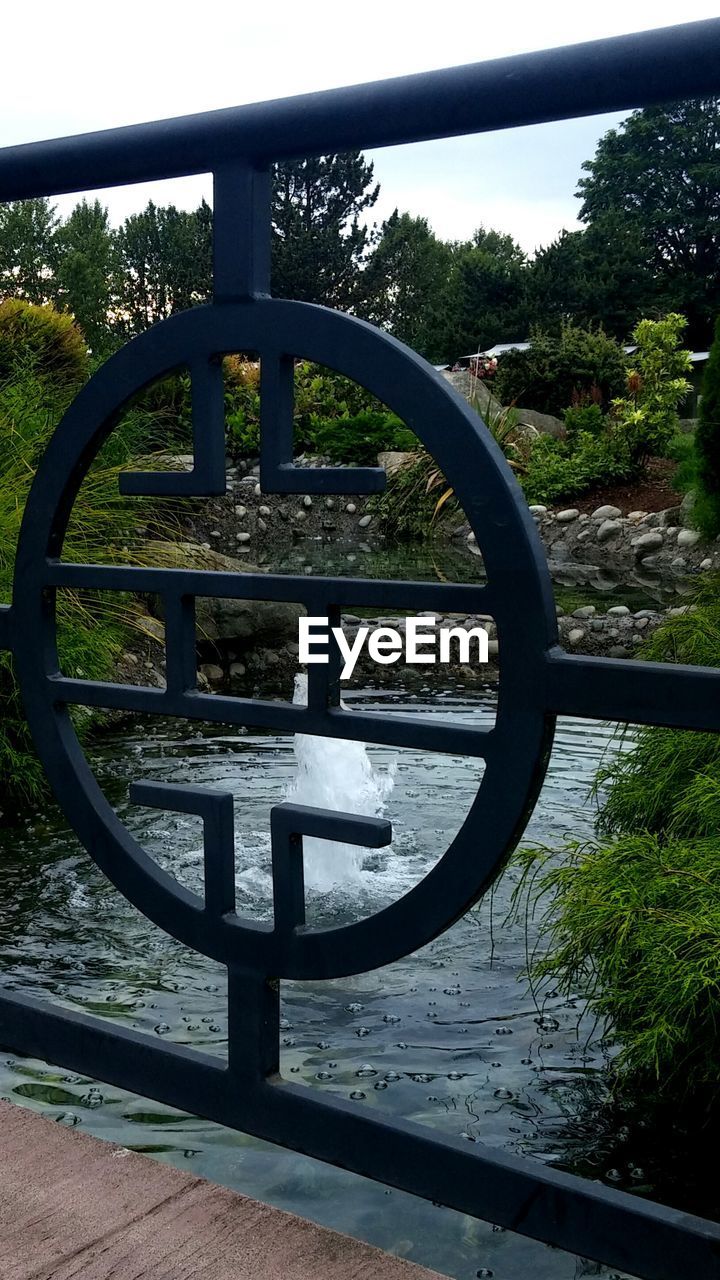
{"x": 335, "y": 774}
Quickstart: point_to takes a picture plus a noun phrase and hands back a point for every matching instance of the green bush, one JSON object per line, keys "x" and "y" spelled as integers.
{"x": 361, "y": 438}
{"x": 584, "y": 417}
{"x": 558, "y": 469}
{"x": 657, "y": 384}
{"x": 706, "y": 451}
{"x": 632, "y": 920}
{"x": 575, "y": 367}
{"x": 43, "y": 338}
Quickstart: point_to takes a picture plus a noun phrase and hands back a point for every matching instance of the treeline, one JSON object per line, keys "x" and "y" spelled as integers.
{"x": 650, "y": 205}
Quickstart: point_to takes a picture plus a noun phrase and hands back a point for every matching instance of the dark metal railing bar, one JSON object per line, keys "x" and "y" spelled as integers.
{"x": 659, "y": 693}
{"x": 615, "y": 74}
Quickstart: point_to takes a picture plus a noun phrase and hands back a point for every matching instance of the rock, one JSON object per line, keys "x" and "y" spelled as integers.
{"x": 559, "y": 611}
{"x": 393, "y": 459}
{"x": 636, "y": 515}
{"x": 243, "y": 537}
{"x": 212, "y": 673}
{"x": 307, "y": 500}
{"x": 688, "y": 537}
{"x": 641, "y": 623}
{"x": 351, "y": 508}
{"x": 329, "y": 503}
{"x": 214, "y": 533}
{"x": 606, "y": 513}
{"x": 237, "y": 670}
{"x": 706, "y": 564}
{"x": 273, "y": 621}
{"x": 686, "y": 506}
{"x": 241, "y": 511}
{"x": 585, "y": 611}
{"x": 618, "y": 651}
{"x": 537, "y": 510}
{"x": 609, "y": 528}
{"x": 257, "y": 490}
{"x": 263, "y": 511}
{"x": 646, "y": 542}
{"x": 299, "y": 516}
{"x": 619, "y": 610}
{"x": 364, "y": 521}
{"x": 471, "y": 537}
{"x": 584, "y": 535}
{"x": 262, "y": 526}
{"x": 678, "y": 563}
{"x": 670, "y": 516}
{"x": 564, "y": 517}
{"x": 576, "y": 635}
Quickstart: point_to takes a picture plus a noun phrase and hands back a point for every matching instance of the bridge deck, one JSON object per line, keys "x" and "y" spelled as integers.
{"x": 75, "y": 1208}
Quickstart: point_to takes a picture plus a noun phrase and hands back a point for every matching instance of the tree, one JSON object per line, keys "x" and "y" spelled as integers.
{"x": 83, "y": 254}
{"x": 27, "y": 228}
{"x": 576, "y": 366}
{"x": 658, "y": 176}
{"x": 164, "y": 264}
{"x": 598, "y": 276}
{"x": 318, "y": 240}
{"x": 404, "y": 282}
{"x": 486, "y": 295}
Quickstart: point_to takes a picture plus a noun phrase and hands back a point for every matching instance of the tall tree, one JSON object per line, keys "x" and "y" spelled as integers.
{"x": 486, "y": 294}
{"x": 404, "y": 282}
{"x": 27, "y": 228}
{"x": 164, "y": 264}
{"x": 659, "y": 176}
{"x": 318, "y": 239}
{"x": 83, "y": 255}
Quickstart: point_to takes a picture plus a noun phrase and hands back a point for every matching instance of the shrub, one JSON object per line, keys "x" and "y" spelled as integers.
{"x": 361, "y": 438}
{"x": 584, "y": 417}
{"x": 706, "y": 451}
{"x": 633, "y": 919}
{"x": 46, "y": 339}
{"x": 559, "y": 469}
{"x": 576, "y": 366}
{"x": 657, "y": 384}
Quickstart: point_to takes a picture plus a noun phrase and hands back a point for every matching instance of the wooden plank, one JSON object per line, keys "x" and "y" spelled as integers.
{"x": 75, "y": 1208}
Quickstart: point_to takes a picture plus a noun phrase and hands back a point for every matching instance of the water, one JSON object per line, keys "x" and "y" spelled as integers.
{"x": 332, "y": 774}
{"x": 449, "y": 1036}
{"x": 574, "y": 584}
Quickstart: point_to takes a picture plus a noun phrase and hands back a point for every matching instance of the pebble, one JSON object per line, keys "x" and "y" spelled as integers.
{"x": 262, "y": 526}
{"x": 641, "y": 623}
{"x": 351, "y": 508}
{"x": 364, "y": 521}
{"x": 585, "y": 611}
{"x": 609, "y": 529}
{"x": 307, "y": 500}
{"x": 257, "y": 491}
{"x": 329, "y": 503}
{"x": 617, "y": 651}
{"x": 243, "y": 537}
{"x": 537, "y": 510}
{"x": 646, "y": 542}
{"x": 606, "y": 513}
{"x": 264, "y": 511}
{"x": 300, "y": 516}
{"x": 576, "y": 635}
{"x": 241, "y": 511}
{"x": 688, "y": 537}
{"x": 619, "y": 610}
{"x": 706, "y": 564}
{"x": 564, "y": 517}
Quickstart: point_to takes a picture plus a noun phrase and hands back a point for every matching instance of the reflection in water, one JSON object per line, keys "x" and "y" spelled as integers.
{"x": 448, "y": 1036}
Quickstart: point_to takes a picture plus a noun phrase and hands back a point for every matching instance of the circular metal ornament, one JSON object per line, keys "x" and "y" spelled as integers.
{"x": 519, "y": 594}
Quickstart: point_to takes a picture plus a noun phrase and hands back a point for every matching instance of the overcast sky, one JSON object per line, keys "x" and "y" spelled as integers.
{"x": 84, "y": 65}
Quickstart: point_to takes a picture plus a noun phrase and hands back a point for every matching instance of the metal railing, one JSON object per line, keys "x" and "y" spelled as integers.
{"x": 537, "y": 680}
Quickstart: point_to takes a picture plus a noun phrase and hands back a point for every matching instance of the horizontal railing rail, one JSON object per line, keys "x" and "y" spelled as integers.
{"x": 614, "y": 74}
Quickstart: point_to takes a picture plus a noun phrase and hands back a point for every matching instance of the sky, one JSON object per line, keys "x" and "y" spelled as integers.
{"x": 84, "y": 65}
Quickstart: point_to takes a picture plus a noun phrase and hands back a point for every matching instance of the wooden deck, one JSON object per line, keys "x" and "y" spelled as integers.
{"x": 75, "y": 1208}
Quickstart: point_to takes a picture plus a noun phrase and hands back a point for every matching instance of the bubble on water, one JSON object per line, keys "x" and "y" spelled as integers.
{"x": 285, "y": 1024}
{"x": 354, "y": 1007}
{"x": 288, "y": 1042}
{"x": 431, "y": 1015}
{"x": 214, "y": 1027}
{"x": 484, "y": 1272}
{"x": 546, "y": 1044}
{"x": 503, "y": 1031}
{"x": 613, "y": 1175}
{"x": 505, "y": 1094}
{"x": 390, "y": 1017}
{"x": 451, "y": 991}
{"x": 432, "y": 1098}
{"x": 294, "y": 1070}
{"x": 366, "y": 1070}
{"x": 421, "y": 1077}
{"x": 432, "y": 1002}
{"x": 380, "y": 1084}
{"x": 636, "y": 1173}
{"x": 496, "y": 1227}
{"x": 323, "y": 1075}
{"x": 547, "y": 1024}
{"x": 496, "y": 1064}
{"x": 391, "y": 1076}
{"x": 68, "y": 1118}
{"x": 162, "y": 1029}
{"x": 526, "y": 1062}
{"x": 323, "y": 1044}
{"x": 357, "y": 1095}
{"x": 332, "y": 1065}
{"x": 92, "y": 1099}
{"x": 362, "y": 1031}
{"x": 455, "y": 1075}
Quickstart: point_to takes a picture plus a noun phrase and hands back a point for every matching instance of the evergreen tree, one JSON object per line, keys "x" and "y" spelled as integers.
{"x": 164, "y": 264}
{"x": 83, "y": 255}
{"x": 27, "y": 228}
{"x": 404, "y": 282}
{"x": 318, "y": 240}
{"x": 486, "y": 295}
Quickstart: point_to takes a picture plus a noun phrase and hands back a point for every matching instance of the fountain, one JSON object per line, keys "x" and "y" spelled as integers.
{"x": 335, "y": 774}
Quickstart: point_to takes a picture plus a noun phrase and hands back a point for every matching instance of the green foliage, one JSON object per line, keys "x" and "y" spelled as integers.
{"x": 557, "y": 469}
{"x": 658, "y": 177}
{"x": 404, "y": 283}
{"x": 585, "y": 417}
{"x": 632, "y": 920}
{"x": 164, "y": 265}
{"x": 84, "y": 265}
{"x": 705, "y": 471}
{"x": 557, "y": 370}
{"x": 318, "y": 238}
{"x": 43, "y": 338}
{"x": 657, "y": 384}
{"x": 27, "y": 230}
{"x": 485, "y": 298}
{"x": 359, "y": 439}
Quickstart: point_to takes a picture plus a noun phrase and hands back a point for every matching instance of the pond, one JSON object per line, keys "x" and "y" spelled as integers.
{"x": 450, "y": 1036}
